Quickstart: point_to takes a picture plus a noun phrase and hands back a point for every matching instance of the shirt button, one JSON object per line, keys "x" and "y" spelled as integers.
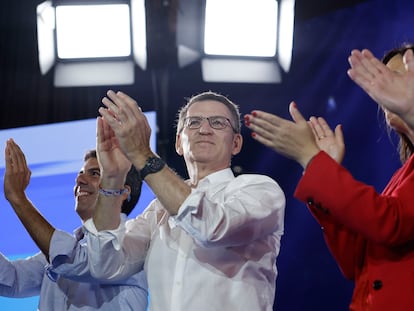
{"x": 377, "y": 284}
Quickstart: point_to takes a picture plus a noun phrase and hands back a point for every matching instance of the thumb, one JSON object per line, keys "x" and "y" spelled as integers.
{"x": 339, "y": 133}
{"x": 408, "y": 59}
{"x": 295, "y": 113}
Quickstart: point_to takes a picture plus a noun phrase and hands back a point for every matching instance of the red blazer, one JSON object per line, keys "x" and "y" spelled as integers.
{"x": 371, "y": 235}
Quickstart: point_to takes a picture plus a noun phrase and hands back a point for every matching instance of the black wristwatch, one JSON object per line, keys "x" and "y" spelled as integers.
{"x": 152, "y": 165}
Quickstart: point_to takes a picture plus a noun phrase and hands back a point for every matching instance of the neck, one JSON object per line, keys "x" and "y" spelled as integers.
{"x": 197, "y": 171}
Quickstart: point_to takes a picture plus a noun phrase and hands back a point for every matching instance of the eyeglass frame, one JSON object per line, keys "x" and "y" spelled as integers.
{"x": 202, "y": 118}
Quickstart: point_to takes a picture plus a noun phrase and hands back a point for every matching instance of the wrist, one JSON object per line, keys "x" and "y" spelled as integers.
{"x": 153, "y": 164}
{"x": 18, "y": 200}
{"x": 141, "y": 159}
{"x": 108, "y": 192}
{"x": 305, "y": 161}
{"x": 112, "y": 182}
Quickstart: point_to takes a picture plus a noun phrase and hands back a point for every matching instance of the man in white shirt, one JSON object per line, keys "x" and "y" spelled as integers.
{"x": 59, "y": 274}
{"x": 206, "y": 243}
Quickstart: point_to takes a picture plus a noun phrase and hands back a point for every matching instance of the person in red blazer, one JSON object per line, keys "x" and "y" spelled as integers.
{"x": 370, "y": 234}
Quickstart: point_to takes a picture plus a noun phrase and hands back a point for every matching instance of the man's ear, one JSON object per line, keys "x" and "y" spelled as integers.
{"x": 128, "y": 193}
{"x": 237, "y": 144}
{"x": 178, "y": 147}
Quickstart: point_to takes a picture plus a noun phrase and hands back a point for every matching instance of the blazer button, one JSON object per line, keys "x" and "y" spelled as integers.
{"x": 377, "y": 284}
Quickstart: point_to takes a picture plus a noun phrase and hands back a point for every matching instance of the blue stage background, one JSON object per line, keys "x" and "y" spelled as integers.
{"x": 309, "y": 278}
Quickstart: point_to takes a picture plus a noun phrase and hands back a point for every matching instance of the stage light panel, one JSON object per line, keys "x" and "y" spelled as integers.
{"x": 241, "y": 27}
{"x": 93, "y": 31}
{"x": 92, "y": 43}
{"x": 285, "y": 39}
{"x": 45, "y": 35}
{"x": 240, "y": 41}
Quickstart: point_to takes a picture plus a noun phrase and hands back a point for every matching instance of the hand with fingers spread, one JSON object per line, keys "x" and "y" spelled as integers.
{"x": 327, "y": 140}
{"x": 17, "y": 174}
{"x": 293, "y": 139}
{"x": 391, "y": 89}
{"x": 129, "y": 124}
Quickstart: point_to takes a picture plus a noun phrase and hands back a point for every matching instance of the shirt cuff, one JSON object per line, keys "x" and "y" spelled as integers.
{"x": 62, "y": 243}
{"x": 189, "y": 206}
{"x": 115, "y": 235}
{"x": 6, "y": 278}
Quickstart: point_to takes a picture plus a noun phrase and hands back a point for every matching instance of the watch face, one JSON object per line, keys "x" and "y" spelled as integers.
{"x": 155, "y": 164}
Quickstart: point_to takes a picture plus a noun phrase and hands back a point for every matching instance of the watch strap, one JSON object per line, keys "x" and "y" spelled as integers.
{"x": 152, "y": 165}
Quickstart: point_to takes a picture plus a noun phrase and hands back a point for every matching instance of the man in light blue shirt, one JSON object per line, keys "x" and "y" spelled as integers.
{"x": 61, "y": 278}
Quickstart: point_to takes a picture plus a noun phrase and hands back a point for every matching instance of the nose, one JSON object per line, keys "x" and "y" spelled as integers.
{"x": 205, "y": 127}
{"x": 80, "y": 179}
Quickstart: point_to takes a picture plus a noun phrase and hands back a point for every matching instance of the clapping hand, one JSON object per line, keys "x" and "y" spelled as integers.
{"x": 327, "y": 140}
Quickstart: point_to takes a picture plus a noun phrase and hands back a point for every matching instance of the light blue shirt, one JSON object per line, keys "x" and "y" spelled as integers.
{"x": 66, "y": 284}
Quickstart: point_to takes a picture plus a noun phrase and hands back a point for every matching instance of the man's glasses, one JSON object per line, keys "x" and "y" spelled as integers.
{"x": 216, "y": 122}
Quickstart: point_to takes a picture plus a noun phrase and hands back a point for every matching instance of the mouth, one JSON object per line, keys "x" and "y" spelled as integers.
{"x": 82, "y": 193}
{"x": 205, "y": 142}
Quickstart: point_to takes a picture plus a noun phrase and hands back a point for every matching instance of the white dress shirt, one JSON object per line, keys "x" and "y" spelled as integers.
{"x": 66, "y": 284}
{"x": 218, "y": 253}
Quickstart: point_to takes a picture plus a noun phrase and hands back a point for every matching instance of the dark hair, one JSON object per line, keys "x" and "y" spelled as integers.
{"x": 405, "y": 146}
{"x": 209, "y": 95}
{"x": 133, "y": 180}
{"x": 89, "y": 154}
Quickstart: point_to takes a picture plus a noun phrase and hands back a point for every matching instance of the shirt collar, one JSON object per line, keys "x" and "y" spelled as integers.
{"x": 216, "y": 178}
{"x": 79, "y": 233}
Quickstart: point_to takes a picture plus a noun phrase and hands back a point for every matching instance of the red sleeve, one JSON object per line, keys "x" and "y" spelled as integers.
{"x": 347, "y": 247}
{"x": 382, "y": 218}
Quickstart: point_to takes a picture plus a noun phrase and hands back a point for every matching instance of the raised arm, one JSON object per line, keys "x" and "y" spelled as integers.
{"x": 16, "y": 179}
{"x": 131, "y": 129}
{"x": 391, "y": 90}
{"x": 114, "y": 168}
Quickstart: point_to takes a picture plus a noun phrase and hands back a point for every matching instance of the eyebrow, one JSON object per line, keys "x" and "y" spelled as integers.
{"x": 92, "y": 169}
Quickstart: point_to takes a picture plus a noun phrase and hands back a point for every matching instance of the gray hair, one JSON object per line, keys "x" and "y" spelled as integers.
{"x": 209, "y": 95}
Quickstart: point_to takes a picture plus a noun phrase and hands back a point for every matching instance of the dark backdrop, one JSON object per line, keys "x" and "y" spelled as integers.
{"x": 325, "y": 33}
